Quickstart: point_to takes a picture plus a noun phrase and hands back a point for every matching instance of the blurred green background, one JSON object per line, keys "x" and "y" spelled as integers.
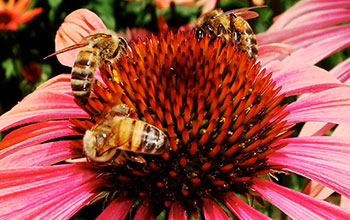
{"x": 23, "y": 68}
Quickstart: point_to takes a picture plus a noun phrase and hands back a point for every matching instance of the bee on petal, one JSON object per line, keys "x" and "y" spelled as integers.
{"x": 97, "y": 49}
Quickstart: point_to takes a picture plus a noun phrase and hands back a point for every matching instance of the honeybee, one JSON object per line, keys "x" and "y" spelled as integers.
{"x": 230, "y": 26}
{"x": 99, "y": 48}
{"x": 112, "y": 139}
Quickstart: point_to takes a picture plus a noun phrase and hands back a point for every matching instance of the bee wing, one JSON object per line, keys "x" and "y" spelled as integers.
{"x": 244, "y": 12}
{"x": 246, "y": 15}
{"x": 66, "y": 49}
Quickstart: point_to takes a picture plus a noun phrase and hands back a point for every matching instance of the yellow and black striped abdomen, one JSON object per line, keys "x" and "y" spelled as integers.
{"x": 137, "y": 136}
{"x": 83, "y": 74}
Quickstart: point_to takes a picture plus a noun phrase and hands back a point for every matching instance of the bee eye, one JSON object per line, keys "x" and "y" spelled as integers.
{"x": 199, "y": 34}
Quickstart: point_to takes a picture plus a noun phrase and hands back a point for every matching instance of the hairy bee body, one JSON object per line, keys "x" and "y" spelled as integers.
{"x": 230, "y": 27}
{"x": 109, "y": 140}
{"x": 102, "y": 47}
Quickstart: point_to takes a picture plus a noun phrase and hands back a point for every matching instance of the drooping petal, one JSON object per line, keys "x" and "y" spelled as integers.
{"x": 300, "y": 79}
{"x": 177, "y": 211}
{"x": 324, "y": 159}
{"x": 311, "y": 37}
{"x": 324, "y": 48}
{"x": 144, "y": 211}
{"x": 212, "y": 210}
{"x": 43, "y": 104}
{"x": 332, "y": 105}
{"x": 304, "y": 7}
{"x": 342, "y": 70}
{"x": 341, "y": 131}
{"x": 280, "y": 48}
{"x": 39, "y": 155}
{"x": 317, "y": 190}
{"x": 345, "y": 203}
{"x": 37, "y": 133}
{"x": 325, "y": 19}
{"x": 315, "y": 129}
{"x": 31, "y": 192}
{"x": 75, "y": 26}
{"x": 241, "y": 209}
{"x": 117, "y": 210}
{"x": 295, "y": 204}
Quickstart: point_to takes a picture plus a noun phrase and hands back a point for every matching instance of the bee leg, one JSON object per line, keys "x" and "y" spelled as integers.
{"x": 120, "y": 110}
{"x": 133, "y": 157}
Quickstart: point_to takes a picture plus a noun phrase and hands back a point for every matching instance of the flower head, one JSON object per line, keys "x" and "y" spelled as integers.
{"x": 226, "y": 120}
{"x": 13, "y": 14}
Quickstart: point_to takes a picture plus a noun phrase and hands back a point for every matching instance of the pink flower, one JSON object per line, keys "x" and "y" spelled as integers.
{"x": 221, "y": 112}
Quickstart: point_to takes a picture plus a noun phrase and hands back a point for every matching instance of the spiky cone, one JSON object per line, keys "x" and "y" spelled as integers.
{"x": 44, "y": 173}
{"x": 220, "y": 110}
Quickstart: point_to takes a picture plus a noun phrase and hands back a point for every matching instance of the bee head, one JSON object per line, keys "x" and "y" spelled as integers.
{"x": 95, "y": 147}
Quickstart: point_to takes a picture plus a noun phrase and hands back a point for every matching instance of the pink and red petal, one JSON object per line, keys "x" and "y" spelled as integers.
{"x": 324, "y": 159}
{"x": 295, "y": 204}
{"x": 300, "y": 79}
{"x": 144, "y": 211}
{"x": 39, "y": 155}
{"x": 241, "y": 209}
{"x": 326, "y": 19}
{"x": 213, "y": 211}
{"x": 118, "y": 209}
{"x": 332, "y": 105}
{"x": 177, "y": 211}
{"x": 28, "y": 192}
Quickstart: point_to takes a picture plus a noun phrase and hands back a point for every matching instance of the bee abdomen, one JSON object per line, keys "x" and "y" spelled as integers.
{"x": 83, "y": 74}
{"x": 139, "y": 137}
{"x": 152, "y": 140}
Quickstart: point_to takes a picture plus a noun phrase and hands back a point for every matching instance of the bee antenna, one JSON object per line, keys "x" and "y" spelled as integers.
{"x": 66, "y": 49}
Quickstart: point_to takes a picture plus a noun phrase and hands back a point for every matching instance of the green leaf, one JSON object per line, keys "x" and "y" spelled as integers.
{"x": 54, "y": 3}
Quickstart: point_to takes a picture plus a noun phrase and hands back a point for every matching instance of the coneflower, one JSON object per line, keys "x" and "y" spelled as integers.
{"x": 227, "y": 123}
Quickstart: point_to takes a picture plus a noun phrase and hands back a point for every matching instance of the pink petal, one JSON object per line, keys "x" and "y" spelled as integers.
{"x": 208, "y": 5}
{"x": 311, "y": 37}
{"x": 29, "y": 192}
{"x": 280, "y": 48}
{"x": 328, "y": 18}
{"x": 342, "y": 70}
{"x": 42, "y": 105}
{"x": 345, "y": 203}
{"x": 295, "y": 204}
{"x": 317, "y": 190}
{"x": 324, "y": 48}
{"x": 241, "y": 209}
{"x": 304, "y": 8}
{"x": 40, "y": 155}
{"x": 117, "y": 210}
{"x": 60, "y": 83}
{"x": 34, "y": 134}
{"x": 332, "y": 105}
{"x": 298, "y": 79}
{"x": 212, "y": 210}
{"x": 76, "y": 25}
{"x": 315, "y": 129}
{"x": 324, "y": 159}
{"x": 341, "y": 131}
{"x": 177, "y": 211}
{"x": 144, "y": 211}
